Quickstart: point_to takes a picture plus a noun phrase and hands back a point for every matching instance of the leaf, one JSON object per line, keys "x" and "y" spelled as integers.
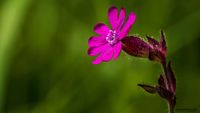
{"x": 164, "y": 93}
{"x": 148, "y": 88}
{"x": 171, "y": 78}
{"x": 163, "y": 42}
{"x": 152, "y": 41}
{"x": 162, "y": 82}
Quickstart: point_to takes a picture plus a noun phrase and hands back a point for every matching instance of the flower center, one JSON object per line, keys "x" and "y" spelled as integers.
{"x": 112, "y": 37}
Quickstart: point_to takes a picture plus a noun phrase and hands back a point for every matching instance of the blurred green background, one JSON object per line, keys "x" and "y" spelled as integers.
{"x": 44, "y": 66}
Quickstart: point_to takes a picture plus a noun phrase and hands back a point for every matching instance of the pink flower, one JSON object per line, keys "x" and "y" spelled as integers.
{"x": 107, "y": 44}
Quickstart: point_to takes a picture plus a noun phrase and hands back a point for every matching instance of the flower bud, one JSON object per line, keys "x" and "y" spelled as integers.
{"x": 153, "y": 49}
{"x": 157, "y": 50}
{"x": 156, "y": 55}
{"x": 135, "y": 46}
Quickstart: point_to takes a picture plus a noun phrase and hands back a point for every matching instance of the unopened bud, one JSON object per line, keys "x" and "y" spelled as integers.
{"x": 157, "y": 51}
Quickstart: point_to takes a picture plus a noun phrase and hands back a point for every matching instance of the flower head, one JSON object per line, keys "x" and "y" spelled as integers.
{"x": 107, "y": 44}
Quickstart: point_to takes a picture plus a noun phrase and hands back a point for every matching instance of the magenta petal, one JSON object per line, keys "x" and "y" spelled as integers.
{"x": 97, "y": 60}
{"x": 122, "y": 17}
{"x": 128, "y": 24}
{"x": 107, "y": 54}
{"x": 117, "y": 50}
{"x": 101, "y": 29}
{"x": 113, "y": 16}
{"x": 92, "y": 51}
{"x": 96, "y": 41}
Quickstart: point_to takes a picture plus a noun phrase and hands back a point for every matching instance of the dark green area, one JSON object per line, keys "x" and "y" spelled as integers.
{"x": 44, "y": 66}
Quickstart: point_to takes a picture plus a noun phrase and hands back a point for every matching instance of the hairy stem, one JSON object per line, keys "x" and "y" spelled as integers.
{"x": 170, "y": 108}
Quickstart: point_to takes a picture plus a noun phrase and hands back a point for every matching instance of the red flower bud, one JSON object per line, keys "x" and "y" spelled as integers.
{"x": 135, "y": 46}
{"x": 157, "y": 51}
{"x": 152, "y": 49}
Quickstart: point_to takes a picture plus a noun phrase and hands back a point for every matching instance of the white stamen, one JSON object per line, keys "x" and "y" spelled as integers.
{"x": 112, "y": 37}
